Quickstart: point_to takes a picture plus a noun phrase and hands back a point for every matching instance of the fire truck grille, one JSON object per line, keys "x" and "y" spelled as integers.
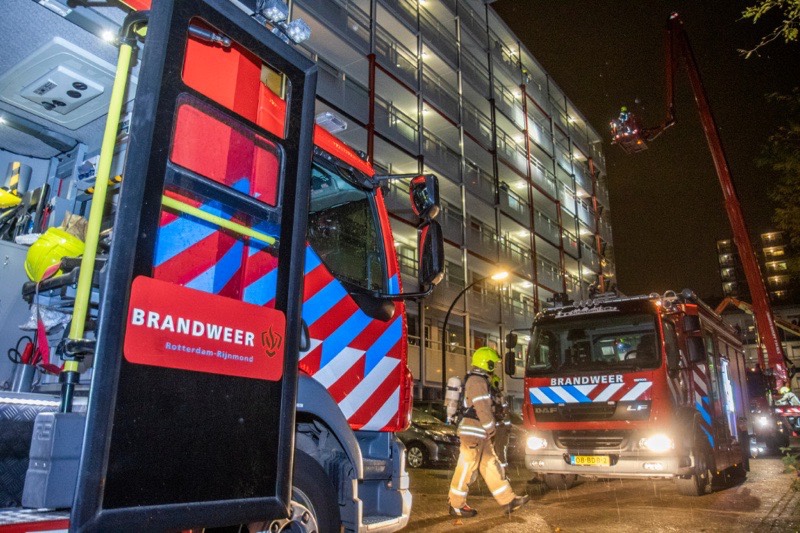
{"x": 587, "y": 411}
{"x": 590, "y": 440}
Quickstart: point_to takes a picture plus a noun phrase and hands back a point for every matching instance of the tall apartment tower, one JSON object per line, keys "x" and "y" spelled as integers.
{"x": 444, "y": 87}
{"x": 773, "y": 255}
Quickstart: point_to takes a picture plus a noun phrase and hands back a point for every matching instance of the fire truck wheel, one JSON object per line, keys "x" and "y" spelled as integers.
{"x": 314, "y": 507}
{"x": 560, "y": 481}
{"x": 698, "y": 483}
{"x": 416, "y": 456}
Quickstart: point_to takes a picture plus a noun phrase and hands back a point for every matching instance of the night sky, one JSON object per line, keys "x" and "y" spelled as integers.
{"x": 666, "y": 204}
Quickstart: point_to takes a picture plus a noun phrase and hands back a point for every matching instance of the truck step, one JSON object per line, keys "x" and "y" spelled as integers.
{"x": 379, "y": 522}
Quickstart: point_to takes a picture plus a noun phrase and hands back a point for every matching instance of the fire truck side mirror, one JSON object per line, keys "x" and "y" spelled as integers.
{"x": 430, "y": 243}
{"x": 511, "y": 340}
{"x": 510, "y": 363}
{"x": 424, "y": 191}
{"x": 697, "y": 351}
{"x": 691, "y": 324}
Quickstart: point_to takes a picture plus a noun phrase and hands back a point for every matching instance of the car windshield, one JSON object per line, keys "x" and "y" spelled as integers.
{"x": 342, "y": 225}
{"x": 608, "y": 343}
{"x": 418, "y": 417}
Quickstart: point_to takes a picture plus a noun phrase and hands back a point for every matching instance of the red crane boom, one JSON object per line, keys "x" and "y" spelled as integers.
{"x": 632, "y": 138}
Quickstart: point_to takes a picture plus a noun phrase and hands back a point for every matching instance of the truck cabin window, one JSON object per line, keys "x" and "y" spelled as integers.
{"x": 594, "y": 344}
{"x": 342, "y": 227}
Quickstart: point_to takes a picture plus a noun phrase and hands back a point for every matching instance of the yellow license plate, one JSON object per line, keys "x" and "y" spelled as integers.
{"x": 591, "y": 460}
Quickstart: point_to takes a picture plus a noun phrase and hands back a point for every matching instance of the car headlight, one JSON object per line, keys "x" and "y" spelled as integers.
{"x": 536, "y": 443}
{"x": 657, "y": 443}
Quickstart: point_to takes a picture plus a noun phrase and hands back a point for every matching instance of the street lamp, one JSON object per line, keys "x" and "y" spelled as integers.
{"x": 497, "y": 276}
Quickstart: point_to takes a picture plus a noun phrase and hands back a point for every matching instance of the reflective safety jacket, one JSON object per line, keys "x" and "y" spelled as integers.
{"x": 478, "y": 420}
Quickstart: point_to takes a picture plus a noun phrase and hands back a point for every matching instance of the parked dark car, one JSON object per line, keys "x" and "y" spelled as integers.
{"x": 434, "y": 408}
{"x": 429, "y": 441}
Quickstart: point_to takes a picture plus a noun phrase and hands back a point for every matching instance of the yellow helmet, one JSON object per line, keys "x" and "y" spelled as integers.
{"x": 485, "y": 358}
{"x": 49, "y": 249}
{"x": 784, "y": 390}
{"x": 8, "y": 199}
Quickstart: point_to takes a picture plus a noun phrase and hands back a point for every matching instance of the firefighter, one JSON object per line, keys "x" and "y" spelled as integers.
{"x": 500, "y": 408}
{"x": 476, "y": 431}
{"x": 787, "y": 397}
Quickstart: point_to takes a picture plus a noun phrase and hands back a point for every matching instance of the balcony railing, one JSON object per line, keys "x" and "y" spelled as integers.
{"x": 546, "y": 228}
{"x": 404, "y": 9}
{"x": 484, "y": 305}
{"x": 472, "y": 22}
{"x": 342, "y": 91}
{"x": 586, "y": 214}
{"x": 479, "y": 182}
{"x": 440, "y": 156}
{"x": 395, "y": 124}
{"x": 519, "y": 312}
{"x": 544, "y": 178}
{"x": 452, "y": 221}
{"x": 540, "y": 134}
{"x": 483, "y": 242}
{"x": 512, "y": 252}
{"x": 475, "y": 73}
{"x": 511, "y": 151}
{"x": 515, "y": 205}
{"x": 347, "y": 19}
{"x": 590, "y": 258}
{"x": 395, "y": 57}
{"x": 437, "y": 35}
{"x": 440, "y": 93}
{"x": 477, "y": 124}
{"x": 548, "y": 274}
{"x": 582, "y": 177}
{"x": 570, "y": 243}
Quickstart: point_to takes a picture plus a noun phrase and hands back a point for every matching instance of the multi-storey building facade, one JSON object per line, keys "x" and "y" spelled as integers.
{"x": 444, "y": 87}
{"x": 773, "y": 255}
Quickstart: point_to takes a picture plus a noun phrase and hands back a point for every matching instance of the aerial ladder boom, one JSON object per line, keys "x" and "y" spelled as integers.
{"x": 632, "y": 138}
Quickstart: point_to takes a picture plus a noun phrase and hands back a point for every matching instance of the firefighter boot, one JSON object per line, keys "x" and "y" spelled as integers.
{"x": 516, "y": 503}
{"x": 463, "y": 512}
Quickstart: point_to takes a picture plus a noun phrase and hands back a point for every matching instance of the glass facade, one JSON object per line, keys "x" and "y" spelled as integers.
{"x": 444, "y": 87}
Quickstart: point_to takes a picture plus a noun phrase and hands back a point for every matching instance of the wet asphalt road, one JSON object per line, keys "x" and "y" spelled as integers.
{"x": 764, "y": 502}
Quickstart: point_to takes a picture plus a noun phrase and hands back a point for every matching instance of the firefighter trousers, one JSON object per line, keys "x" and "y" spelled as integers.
{"x": 478, "y": 454}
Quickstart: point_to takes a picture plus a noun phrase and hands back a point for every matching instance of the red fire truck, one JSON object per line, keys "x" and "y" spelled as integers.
{"x": 647, "y": 386}
{"x": 249, "y": 345}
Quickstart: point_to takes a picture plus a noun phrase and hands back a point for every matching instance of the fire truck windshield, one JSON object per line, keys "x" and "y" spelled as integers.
{"x": 627, "y": 342}
{"x": 343, "y": 224}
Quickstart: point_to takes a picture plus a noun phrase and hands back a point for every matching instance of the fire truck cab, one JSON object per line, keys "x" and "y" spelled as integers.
{"x": 646, "y": 386}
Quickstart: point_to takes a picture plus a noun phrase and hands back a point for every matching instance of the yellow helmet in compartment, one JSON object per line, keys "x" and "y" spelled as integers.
{"x": 48, "y": 250}
{"x": 8, "y": 199}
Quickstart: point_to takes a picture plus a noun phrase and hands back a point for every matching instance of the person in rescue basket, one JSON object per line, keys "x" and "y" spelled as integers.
{"x": 476, "y": 430}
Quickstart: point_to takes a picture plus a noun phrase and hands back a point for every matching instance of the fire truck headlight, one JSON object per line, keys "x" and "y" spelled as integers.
{"x": 658, "y": 443}
{"x": 762, "y": 421}
{"x": 536, "y": 443}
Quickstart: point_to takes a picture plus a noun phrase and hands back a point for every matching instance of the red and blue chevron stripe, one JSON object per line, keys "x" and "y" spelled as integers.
{"x": 360, "y": 360}
{"x": 611, "y": 392}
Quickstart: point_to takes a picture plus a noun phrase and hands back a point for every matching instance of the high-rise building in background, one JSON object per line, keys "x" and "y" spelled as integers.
{"x": 444, "y": 87}
{"x": 773, "y": 256}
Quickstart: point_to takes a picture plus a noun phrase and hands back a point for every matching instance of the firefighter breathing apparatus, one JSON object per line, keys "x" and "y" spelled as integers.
{"x": 452, "y": 398}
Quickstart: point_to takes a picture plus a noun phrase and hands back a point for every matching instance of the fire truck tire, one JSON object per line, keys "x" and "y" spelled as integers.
{"x": 699, "y": 483}
{"x": 560, "y": 481}
{"x": 314, "y": 503}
